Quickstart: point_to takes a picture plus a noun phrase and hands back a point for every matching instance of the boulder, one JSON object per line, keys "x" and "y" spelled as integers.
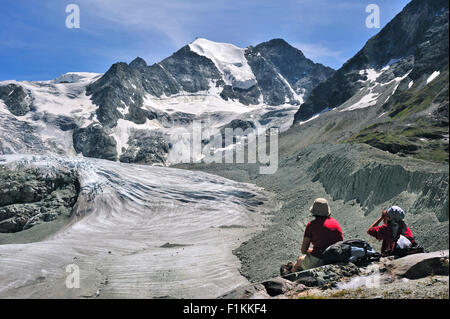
{"x": 420, "y": 265}
{"x": 308, "y": 281}
{"x": 253, "y": 291}
{"x": 323, "y": 275}
{"x": 278, "y": 286}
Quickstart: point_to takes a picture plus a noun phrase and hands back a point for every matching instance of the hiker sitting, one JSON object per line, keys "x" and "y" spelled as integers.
{"x": 322, "y": 232}
{"x": 393, "y": 232}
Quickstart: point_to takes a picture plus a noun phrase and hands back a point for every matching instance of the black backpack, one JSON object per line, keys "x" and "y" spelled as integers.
{"x": 402, "y": 252}
{"x": 356, "y": 251}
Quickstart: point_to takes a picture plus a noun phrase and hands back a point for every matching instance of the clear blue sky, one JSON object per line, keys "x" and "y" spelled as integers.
{"x": 36, "y": 45}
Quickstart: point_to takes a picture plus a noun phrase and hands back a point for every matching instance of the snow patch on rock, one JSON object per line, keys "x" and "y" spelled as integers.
{"x": 366, "y": 101}
{"x": 434, "y": 75}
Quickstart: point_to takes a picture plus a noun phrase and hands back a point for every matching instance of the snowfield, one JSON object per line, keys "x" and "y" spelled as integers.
{"x": 374, "y": 90}
{"x": 66, "y": 95}
{"x": 228, "y": 59}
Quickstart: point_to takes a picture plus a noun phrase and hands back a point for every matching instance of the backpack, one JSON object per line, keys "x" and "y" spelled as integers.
{"x": 403, "y": 247}
{"x": 356, "y": 251}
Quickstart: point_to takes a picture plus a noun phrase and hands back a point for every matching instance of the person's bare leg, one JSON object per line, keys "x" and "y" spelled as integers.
{"x": 298, "y": 265}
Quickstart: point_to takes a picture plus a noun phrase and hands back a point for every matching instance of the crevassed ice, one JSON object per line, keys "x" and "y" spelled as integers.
{"x": 229, "y": 60}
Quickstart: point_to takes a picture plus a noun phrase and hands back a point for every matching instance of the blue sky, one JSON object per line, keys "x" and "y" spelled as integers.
{"x": 36, "y": 45}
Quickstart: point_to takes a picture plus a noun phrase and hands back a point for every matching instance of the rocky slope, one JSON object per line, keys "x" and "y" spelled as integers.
{"x": 397, "y": 85}
{"x": 128, "y": 113}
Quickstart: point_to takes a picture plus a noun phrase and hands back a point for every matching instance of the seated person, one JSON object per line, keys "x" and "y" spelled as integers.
{"x": 321, "y": 232}
{"x": 392, "y": 230}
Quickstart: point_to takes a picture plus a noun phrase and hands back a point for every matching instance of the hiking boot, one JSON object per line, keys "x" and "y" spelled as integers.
{"x": 286, "y": 269}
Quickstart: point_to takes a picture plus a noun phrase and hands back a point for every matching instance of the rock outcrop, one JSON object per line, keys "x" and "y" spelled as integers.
{"x": 146, "y": 147}
{"x": 276, "y": 63}
{"x": 420, "y": 265}
{"x": 322, "y": 277}
{"x": 16, "y": 99}
{"x": 93, "y": 141}
{"x": 31, "y": 195}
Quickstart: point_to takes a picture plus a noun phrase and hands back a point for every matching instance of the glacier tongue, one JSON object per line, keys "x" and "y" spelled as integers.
{"x": 229, "y": 60}
{"x": 138, "y": 231}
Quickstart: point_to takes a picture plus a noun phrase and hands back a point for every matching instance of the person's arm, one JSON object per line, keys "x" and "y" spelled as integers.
{"x": 375, "y": 224}
{"x": 379, "y": 220}
{"x": 376, "y": 231}
{"x": 305, "y": 245}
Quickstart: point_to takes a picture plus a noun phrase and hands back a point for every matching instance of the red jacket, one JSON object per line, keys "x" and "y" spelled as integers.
{"x": 384, "y": 233}
{"x": 323, "y": 232}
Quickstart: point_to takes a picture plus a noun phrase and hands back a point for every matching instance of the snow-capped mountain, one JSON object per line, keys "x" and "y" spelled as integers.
{"x": 127, "y": 113}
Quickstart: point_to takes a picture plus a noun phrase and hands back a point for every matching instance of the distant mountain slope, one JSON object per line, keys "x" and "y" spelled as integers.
{"x": 400, "y": 80}
{"x": 418, "y": 36}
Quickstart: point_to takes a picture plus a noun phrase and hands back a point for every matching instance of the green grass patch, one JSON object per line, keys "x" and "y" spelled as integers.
{"x": 419, "y": 142}
{"x": 408, "y": 103}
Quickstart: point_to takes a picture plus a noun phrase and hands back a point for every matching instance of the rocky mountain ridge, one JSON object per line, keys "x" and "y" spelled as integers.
{"x": 128, "y": 113}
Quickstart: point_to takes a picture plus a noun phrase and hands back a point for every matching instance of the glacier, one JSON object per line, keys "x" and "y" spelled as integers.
{"x": 138, "y": 232}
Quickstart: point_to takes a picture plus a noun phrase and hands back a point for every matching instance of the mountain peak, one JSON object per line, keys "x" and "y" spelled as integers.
{"x": 278, "y": 41}
{"x": 138, "y": 63}
{"x": 277, "y": 45}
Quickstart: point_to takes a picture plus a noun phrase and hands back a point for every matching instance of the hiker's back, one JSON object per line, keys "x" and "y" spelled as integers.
{"x": 323, "y": 232}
